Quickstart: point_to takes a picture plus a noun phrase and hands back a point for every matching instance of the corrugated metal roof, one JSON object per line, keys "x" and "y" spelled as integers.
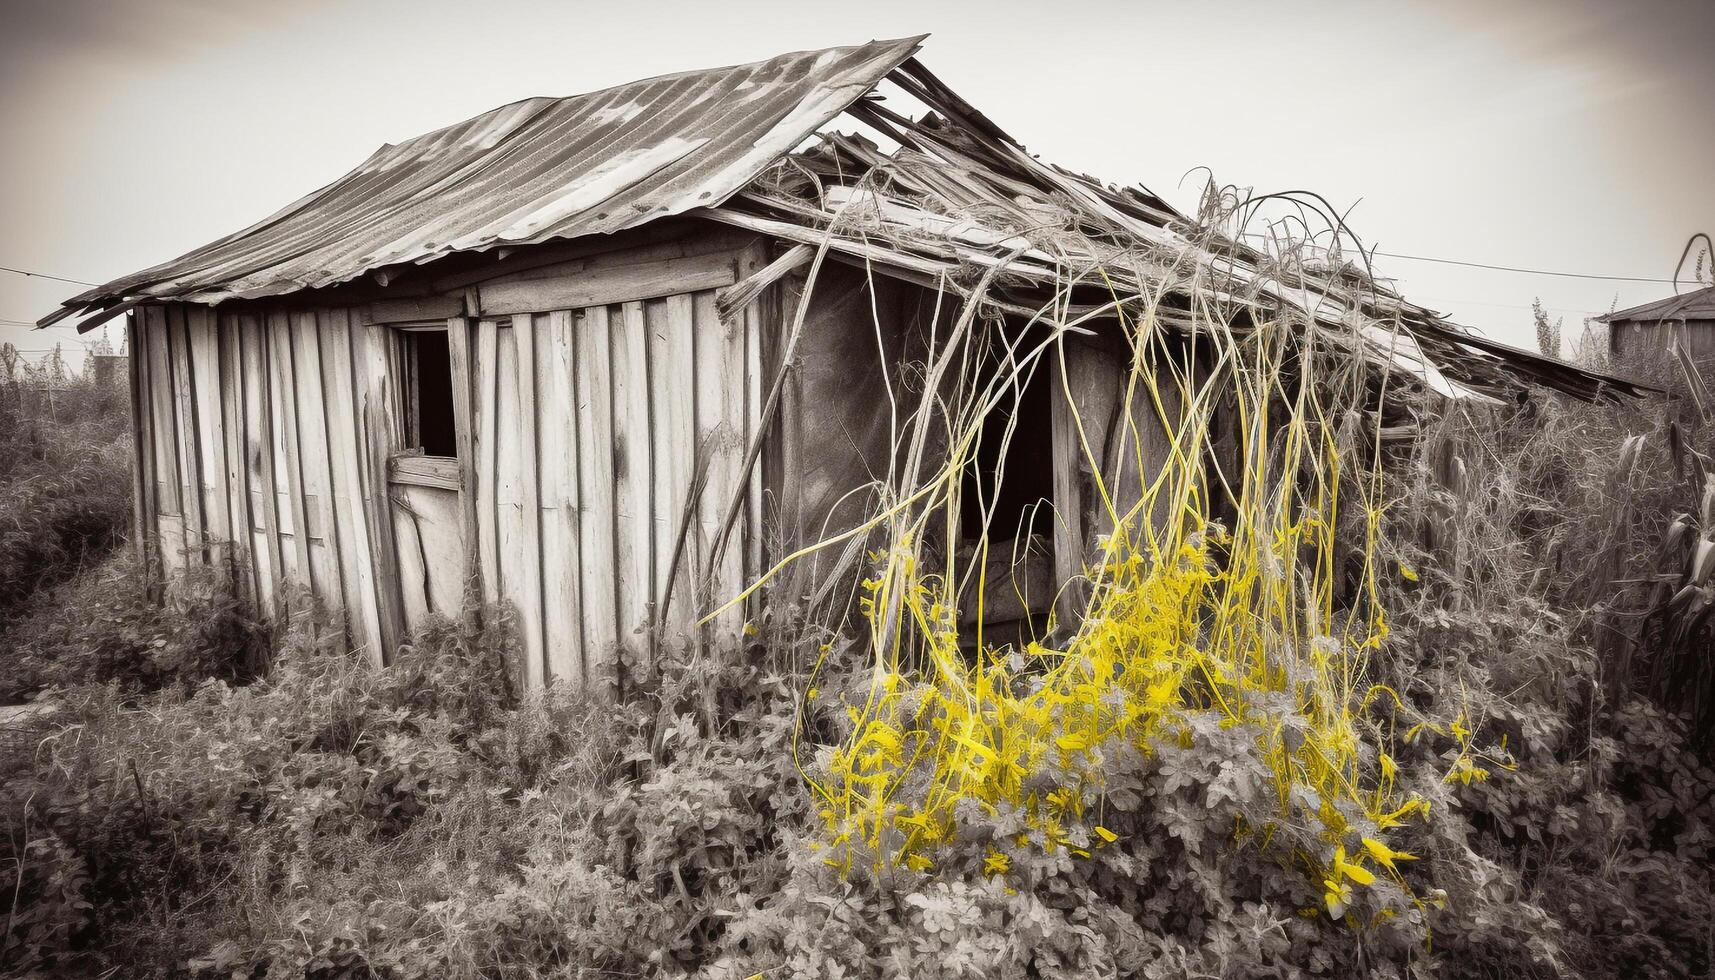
{"x": 1698, "y": 304}
{"x": 529, "y": 172}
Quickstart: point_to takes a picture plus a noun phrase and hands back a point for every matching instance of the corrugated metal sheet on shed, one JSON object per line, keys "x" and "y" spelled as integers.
{"x": 1699, "y": 304}
{"x": 529, "y": 172}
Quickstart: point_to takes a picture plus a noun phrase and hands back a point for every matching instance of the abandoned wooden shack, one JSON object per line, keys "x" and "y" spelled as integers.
{"x": 1688, "y": 318}
{"x": 604, "y": 358}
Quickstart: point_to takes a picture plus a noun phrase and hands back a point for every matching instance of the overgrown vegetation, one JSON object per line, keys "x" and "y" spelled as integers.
{"x": 1479, "y": 761}
{"x": 65, "y": 478}
{"x": 108, "y": 626}
{"x": 328, "y": 820}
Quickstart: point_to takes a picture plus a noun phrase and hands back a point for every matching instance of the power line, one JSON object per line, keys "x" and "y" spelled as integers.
{"x": 9, "y": 322}
{"x": 1510, "y": 268}
{"x": 1391, "y": 255}
{"x": 43, "y": 275}
{"x": 1549, "y": 307}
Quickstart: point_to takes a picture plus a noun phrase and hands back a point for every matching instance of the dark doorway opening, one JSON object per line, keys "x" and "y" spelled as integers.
{"x": 1014, "y": 476}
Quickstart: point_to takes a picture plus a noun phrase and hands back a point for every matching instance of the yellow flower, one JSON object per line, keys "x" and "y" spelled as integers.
{"x": 751, "y": 630}
{"x": 1357, "y": 873}
{"x": 997, "y": 863}
{"x": 1466, "y": 772}
{"x": 917, "y": 862}
{"x": 1073, "y": 741}
{"x": 1397, "y": 817}
{"x": 1337, "y": 896}
{"x": 1406, "y": 572}
{"x": 1384, "y": 854}
{"x": 1106, "y": 834}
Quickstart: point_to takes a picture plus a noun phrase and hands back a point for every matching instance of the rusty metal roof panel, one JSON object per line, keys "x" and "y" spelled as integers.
{"x": 529, "y": 172}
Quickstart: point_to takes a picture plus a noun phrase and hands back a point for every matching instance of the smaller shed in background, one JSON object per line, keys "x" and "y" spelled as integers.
{"x": 1641, "y": 329}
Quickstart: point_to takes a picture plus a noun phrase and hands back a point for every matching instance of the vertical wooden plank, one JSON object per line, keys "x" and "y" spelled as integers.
{"x": 432, "y": 557}
{"x": 226, "y": 333}
{"x": 595, "y": 493}
{"x": 259, "y": 462}
{"x": 142, "y": 463}
{"x": 672, "y": 357}
{"x": 344, "y": 453}
{"x": 1148, "y": 445}
{"x": 415, "y": 595}
{"x": 1068, "y": 506}
{"x": 204, "y": 352}
{"x": 720, "y": 426}
{"x": 227, "y": 545}
{"x": 634, "y": 557}
{"x": 1095, "y": 377}
{"x": 377, "y": 438}
{"x": 556, "y": 391}
{"x": 791, "y": 424}
{"x": 529, "y": 541}
{"x": 459, "y": 355}
{"x": 165, "y": 449}
{"x": 487, "y": 432}
{"x": 322, "y": 531}
{"x": 187, "y": 435}
{"x": 282, "y": 379}
{"x": 755, "y": 388}
{"x": 508, "y": 468}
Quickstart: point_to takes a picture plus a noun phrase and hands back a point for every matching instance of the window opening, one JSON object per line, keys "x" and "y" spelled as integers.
{"x": 428, "y": 390}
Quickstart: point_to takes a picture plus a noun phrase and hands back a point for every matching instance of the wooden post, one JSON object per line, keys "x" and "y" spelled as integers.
{"x": 1068, "y": 501}
{"x": 529, "y": 588}
{"x": 187, "y": 435}
{"x": 458, "y": 350}
{"x": 142, "y": 489}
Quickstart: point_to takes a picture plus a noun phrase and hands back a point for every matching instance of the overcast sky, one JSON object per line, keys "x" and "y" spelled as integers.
{"x": 1572, "y": 135}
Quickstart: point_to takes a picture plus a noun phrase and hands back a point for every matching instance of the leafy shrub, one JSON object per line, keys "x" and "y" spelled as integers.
{"x": 249, "y": 797}
{"x": 108, "y": 627}
{"x": 65, "y": 485}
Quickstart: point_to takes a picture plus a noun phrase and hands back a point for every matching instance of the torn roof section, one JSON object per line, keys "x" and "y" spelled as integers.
{"x": 955, "y": 199}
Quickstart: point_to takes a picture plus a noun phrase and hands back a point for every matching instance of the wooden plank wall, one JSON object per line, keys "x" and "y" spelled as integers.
{"x": 1634, "y": 340}
{"x": 585, "y": 461}
{"x": 268, "y": 434}
{"x": 251, "y": 443}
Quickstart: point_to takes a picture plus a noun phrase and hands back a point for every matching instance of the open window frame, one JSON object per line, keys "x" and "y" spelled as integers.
{"x": 427, "y": 416}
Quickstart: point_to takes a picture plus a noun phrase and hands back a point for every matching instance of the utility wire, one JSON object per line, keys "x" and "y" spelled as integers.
{"x": 1510, "y": 268}
{"x": 43, "y": 275}
{"x": 1378, "y": 251}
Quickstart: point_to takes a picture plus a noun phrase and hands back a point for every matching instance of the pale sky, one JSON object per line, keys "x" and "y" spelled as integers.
{"x": 1574, "y": 136}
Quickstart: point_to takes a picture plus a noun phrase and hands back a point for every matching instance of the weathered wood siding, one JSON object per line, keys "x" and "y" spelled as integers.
{"x": 584, "y": 424}
{"x": 1633, "y": 338}
{"x": 252, "y": 437}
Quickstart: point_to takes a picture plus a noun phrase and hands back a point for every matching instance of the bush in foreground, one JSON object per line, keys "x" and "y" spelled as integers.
{"x": 109, "y": 627}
